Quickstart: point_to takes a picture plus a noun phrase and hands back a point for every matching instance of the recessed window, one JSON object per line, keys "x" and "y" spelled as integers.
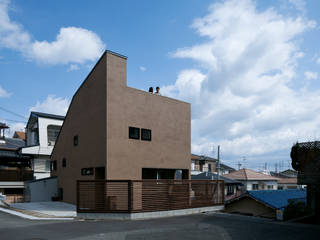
{"x": 53, "y": 165}
{"x": 86, "y": 171}
{"x": 53, "y": 132}
{"x": 134, "y": 133}
{"x": 75, "y": 140}
{"x": 64, "y": 162}
{"x": 255, "y": 186}
{"x": 145, "y": 134}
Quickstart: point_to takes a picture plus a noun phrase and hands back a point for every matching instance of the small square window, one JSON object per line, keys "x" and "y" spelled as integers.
{"x": 134, "y": 133}
{"x": 145, "y": 134}
{"x": 64, "y": 162}
{"x": 75, "y": 140}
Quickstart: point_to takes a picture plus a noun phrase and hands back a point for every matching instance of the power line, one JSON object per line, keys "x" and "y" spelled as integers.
{"x": 13, "y": 113}
{"x": 10, "y": 120}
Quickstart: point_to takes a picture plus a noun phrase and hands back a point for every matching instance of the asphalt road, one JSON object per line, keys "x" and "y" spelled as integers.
{"x": 201, "y": 226}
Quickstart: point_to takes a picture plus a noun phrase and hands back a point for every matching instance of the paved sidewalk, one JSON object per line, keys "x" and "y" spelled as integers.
{"x": 46, "y": 209}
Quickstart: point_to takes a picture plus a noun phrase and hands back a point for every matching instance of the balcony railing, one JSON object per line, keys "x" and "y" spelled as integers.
{"x": 126, "y": 196}
{"x": 17, "y": 175}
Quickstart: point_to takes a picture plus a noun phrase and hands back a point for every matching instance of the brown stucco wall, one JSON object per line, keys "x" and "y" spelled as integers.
{"x": 168, "y": 119}
{"x": 247, "y": 205}
{"x": 86, "y": 118}
{"x": 100, "y": 114}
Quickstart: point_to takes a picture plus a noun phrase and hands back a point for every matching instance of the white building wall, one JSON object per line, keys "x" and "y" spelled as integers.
{"x": 43, "y": 132}
{"x": 42, "y": 152}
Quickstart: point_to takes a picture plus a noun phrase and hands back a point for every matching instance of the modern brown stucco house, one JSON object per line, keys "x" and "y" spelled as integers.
{"x": 112, "y": 131}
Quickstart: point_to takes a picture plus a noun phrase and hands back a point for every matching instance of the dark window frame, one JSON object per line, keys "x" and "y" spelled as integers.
{"x": 230, "y": 190}
{"x": 75, "y": 140}
{"x": 131, "y": 136}
{"x": 142, "y": 137}
{"x": 64, "y": 162}
{"x": 255, "y": 186}
{"x": 53, "y": 166}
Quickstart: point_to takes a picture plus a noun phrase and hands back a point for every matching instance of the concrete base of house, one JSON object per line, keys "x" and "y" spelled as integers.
{"x": 149, "y": 215}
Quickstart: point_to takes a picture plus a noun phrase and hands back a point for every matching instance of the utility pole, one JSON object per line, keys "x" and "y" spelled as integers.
{"x": 218, "y": 173}
{"x": 244, "y": 161}
{"x": 239, "y": 165}
{"x": 218, "y": 162}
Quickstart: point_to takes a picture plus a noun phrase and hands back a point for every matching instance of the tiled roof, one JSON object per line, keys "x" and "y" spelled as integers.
{"x": 12, "y": 155}
{"x": 248, "y": 174}
{"x": 287, "y": 180}
{"x": 202, "y": 157}
{"x": 21, "y": 135}
{"x": 12, "y": 144}
{"x": 213, "y": 176}
{"x": 207, "y": 158}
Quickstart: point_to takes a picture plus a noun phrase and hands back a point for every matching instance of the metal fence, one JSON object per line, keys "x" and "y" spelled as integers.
{"x": 131, "y": 196}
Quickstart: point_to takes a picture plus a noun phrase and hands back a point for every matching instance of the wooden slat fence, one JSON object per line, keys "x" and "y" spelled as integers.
{"x": 131, "y": 196}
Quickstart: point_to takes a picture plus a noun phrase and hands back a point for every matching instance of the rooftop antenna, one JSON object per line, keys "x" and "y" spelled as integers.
{"x": 244, "y": 161}
{"x": 239, "y": 165}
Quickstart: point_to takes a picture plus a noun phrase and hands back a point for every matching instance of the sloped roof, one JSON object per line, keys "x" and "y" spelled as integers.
{"x": 207, "y": 158}
{"x": 213, "y": 176}
{"x": 202, "y": 157}
{"x": 287, "y": 180}
{"x": 277, "y": 198}
{"x": 21, "y": 135}
{"x": 12, "y": 144}
{"x": 245, "y": 174}
{"x": 48, "y": 115}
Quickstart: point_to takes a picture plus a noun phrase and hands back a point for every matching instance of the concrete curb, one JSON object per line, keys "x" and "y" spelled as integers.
{"x": 148, "y": 215}
{"x": 22, "y": 215}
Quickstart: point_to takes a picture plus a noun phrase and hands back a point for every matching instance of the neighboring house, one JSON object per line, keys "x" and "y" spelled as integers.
{"x": 15, "y": 168}
{"x": 42, "y": 131}
{"x": 306, "y": 160}
{"x": 201, "y": 163}
{"x": 232, "y": 188}
{"x": 289, "y": 173}
{"x": 263, "y": 203}
{"x": 288, "y": 183}
{"x": 20, "y": 135}
{"x": 253, "y": 180}
{"x": 112, "y": 131}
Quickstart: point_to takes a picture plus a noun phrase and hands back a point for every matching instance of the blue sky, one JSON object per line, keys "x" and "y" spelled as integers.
{"x": 250, "y": 69}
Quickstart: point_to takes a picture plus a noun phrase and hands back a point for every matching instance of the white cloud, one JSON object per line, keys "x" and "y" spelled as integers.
{"x": 52, "y": 105}
{"x": 142, "y": 68}
{"x": 310, "y": 75}
{"x": 299, "y": 5}
{"x": 241, "y": 95}
{"x": 4, "y": 93}
{"x": 72, "y": 44}
{"x": 73, "y": 67}
{"x": 318, "y": 61}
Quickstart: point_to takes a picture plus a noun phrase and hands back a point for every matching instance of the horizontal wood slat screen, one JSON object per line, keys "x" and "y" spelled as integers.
{"x": 133, "y": 196}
